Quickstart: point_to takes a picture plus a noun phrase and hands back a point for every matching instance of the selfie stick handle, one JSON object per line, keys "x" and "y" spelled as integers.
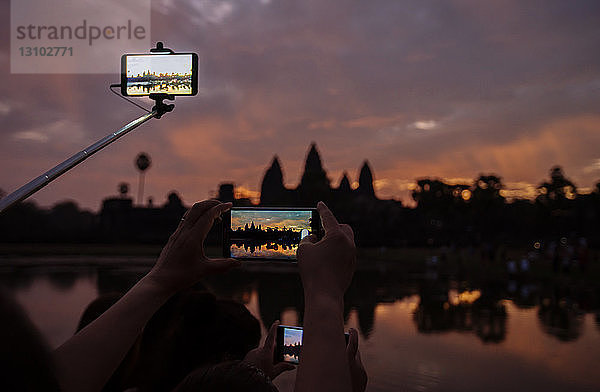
{"x": 38, "y": 183}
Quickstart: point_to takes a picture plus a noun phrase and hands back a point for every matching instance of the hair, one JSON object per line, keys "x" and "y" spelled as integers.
{"x": 231, "y": 376}
{"x": 193, "y": 329}
{"x": 25, "y": 359}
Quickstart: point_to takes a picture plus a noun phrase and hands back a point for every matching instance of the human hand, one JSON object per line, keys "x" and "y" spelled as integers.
{"x": 357, "y": 371}
{"x": 182, "y": 261}
{"x": 326, "y": 267}
{"x": 262, "y": 357}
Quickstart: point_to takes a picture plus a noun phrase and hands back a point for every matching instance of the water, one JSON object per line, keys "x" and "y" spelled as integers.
{"x": 418, "y": 332}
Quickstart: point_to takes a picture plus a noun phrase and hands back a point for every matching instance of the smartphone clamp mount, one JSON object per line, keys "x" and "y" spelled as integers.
{"x": 158, "y": 110}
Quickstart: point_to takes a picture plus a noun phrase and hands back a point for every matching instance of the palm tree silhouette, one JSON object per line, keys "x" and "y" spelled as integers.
{"x": 142, "y": 163}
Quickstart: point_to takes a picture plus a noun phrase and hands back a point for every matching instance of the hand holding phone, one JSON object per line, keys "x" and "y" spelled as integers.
{"x": 262, "y": 357}
{"x": 182, "y": 262}
{"x": 327, "y": 265}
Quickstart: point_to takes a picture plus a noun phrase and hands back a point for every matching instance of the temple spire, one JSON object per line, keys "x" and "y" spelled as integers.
{"x": 272, "y": 189}
{"x": 345, "y": 184}
{"x": 314, "y": 185}
{"x": 365, "y": 180}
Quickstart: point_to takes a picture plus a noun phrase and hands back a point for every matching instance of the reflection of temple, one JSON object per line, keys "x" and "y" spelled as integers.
{"x": 484, "y": 314}
{"x": 442, "y": 307}
{"x": 560, "y": 314}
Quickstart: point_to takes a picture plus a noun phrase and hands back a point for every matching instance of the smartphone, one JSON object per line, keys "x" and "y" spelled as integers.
{"x": 268, "y": 233}
{"x": 289, "y": 344}
{"x": 155, "y": 73}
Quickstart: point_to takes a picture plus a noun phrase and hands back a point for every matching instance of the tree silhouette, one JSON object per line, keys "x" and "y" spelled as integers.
{"x": 558, "y": 192}
{"x": 123, "y": 189}
{"x": 487, "y": 190}
{"x": 142, "y": 163}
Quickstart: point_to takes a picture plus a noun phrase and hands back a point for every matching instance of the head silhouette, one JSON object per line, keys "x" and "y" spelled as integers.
{"x": 231, "y": 376}
{"x": 193, "y": 329}
{"x": 25, "y": 359}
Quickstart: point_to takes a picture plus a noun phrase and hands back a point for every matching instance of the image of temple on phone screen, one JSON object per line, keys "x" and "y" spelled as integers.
{"x": 268, "y": 234}
{"x": 169, "y": 74}
{"x": 292, "y": 344}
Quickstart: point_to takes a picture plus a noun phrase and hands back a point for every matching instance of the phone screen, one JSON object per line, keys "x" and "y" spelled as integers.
{"x": 291, "y": 344}
{"x": 268, "y": 233}
{"x": 145, "y": 74}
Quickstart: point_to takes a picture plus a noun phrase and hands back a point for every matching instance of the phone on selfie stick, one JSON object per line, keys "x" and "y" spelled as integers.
{"x": 159, "y": 75}
{"x": 163, "y": 72}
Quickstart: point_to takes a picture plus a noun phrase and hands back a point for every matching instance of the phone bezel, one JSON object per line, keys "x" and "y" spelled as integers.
{"x": 316, "y": 222}
{"x": 194, "y": 72}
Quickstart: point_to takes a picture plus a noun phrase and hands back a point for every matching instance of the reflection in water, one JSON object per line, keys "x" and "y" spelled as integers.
{"x": 437, "y": 307}
{"x": 441, "y": 309}
{"x": 264, "y": 250}
{"x": 560, "y": 314}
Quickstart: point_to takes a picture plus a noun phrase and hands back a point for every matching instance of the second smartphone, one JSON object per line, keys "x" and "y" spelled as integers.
{"x": 267, "y": 233}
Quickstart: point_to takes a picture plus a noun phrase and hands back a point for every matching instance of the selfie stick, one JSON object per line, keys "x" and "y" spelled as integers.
{"x": 38, "y": 183}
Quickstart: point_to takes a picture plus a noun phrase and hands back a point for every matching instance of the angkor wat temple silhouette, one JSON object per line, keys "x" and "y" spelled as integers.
{"x": 442, "y": 215}
{"x": 121, "y": 220}
{"x": 314, "y": 186}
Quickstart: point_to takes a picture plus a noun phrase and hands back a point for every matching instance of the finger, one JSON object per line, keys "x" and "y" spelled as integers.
{"x": 217, "y": 210}
{"x": 282, "y": 367}
{"x": 358, "y": 360}
{"x": 198, "y": 209}
{"x": 352, "y": 346}
{"x": 222, "y": 265}
{"x": 329, "y": 222}
{"x": 180, "y": 226}
{"x": 346, "y": 229}
{"x": 270, "y": 339}
{"x": 309, "y": 239}
{"x": 205, "y": 222}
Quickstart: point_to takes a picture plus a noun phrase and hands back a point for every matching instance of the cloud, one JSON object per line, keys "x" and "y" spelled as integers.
{"x": 34, "y": 136}
{"x": 61, "y": 131}
{"x": 199, "y": 11}
{"x": 424, "y": 125}
{"x": 593, "y": 167}
{"x": 5, "y": 108}
{"x": 443, "y": 89}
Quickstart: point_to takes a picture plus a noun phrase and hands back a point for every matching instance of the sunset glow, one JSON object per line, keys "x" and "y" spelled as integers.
{"x": 421, "y": 90}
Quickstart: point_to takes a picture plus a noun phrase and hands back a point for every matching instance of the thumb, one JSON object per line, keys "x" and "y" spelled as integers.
{"x": 309, "y": 239}
{"x": 352, "y": 346}
{"x": 282, "y": 367}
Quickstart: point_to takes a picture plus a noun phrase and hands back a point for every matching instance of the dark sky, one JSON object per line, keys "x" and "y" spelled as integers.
{"x": 448, "y": 88}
